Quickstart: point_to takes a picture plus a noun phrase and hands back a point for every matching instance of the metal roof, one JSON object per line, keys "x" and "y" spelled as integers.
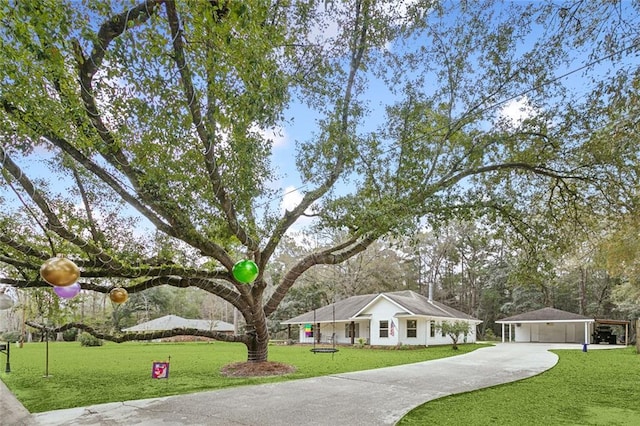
{"x": 169, "y": 322}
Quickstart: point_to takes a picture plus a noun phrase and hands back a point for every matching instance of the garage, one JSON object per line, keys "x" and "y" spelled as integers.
{"x": 547, "y": 325}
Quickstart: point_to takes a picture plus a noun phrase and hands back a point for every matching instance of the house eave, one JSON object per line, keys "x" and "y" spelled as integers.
{"x": 543, "y": 321}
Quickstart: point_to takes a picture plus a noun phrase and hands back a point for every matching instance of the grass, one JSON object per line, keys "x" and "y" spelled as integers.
{"x": 80, "y": 376}
{"x": 599, "y": 387}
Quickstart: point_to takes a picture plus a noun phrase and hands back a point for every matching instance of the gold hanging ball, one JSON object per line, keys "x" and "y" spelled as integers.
{"x": 118, "y": 295}
{"x": 59, "y": 271}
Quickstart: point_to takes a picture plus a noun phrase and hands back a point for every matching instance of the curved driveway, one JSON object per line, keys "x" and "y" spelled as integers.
{"x": 372, "y": 397}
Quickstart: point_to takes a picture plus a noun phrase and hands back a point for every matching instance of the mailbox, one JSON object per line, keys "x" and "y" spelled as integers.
{"x": 3, "y": 347}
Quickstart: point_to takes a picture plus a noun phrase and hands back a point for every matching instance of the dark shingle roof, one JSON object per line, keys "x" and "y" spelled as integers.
{"x": 345, "y": 309}
{"x": 545, "y": 314}
{"x": 412, "y": 303}
{"x": 418, "y": 304}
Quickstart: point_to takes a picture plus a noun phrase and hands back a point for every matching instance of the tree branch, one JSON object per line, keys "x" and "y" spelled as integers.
{"x": 193, "y": 104}
{"x": 53, "y": 222}
{"x": 359, "y": 46}
{"x": 331, "y": 256}
{"x": 128, "y": 337}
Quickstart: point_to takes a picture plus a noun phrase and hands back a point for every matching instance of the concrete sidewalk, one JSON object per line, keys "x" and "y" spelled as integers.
{"x": 372, "y": 397}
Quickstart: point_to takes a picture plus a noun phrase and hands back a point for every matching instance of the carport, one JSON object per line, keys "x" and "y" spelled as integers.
{"x": 622, "y": 323}
{"x": 547, "y": 325}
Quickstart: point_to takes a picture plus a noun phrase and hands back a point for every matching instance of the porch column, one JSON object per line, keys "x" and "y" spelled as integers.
{"x": 502, "y": 332}
{"x": 353, "y": 332}
{"x": 586, "y": 333}
{"x": 626, "y": 334}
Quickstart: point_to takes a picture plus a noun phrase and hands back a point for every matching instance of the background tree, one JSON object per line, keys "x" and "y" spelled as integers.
{"x": 155, "y": 116}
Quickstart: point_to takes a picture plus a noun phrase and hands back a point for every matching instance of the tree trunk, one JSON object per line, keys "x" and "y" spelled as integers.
{"x": 637, "y": 335}
{"x": 583, "y": 291}
{"x": 258, "y": 342}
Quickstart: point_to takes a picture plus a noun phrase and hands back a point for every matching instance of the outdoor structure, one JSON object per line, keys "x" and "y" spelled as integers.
{"x": 550, "y": 325}
{"x": 169, "y": 322}
{"x": 547, "y": 325}
{"x": 384, "y": 319}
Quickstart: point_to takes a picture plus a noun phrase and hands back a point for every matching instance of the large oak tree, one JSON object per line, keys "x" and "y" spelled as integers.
{"x": 156, "y": 116}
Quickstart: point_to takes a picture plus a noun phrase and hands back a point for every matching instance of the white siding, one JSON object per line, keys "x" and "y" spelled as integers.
{"x": 383, "y": 310}
{"x": 550, "y": 332}
{"x": 439, "y": 339}
{"x": 327, "y": 330}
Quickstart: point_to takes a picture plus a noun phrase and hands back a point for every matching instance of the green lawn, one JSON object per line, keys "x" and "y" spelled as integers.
{"x": 599, "y": 387}
{"x": 117, "y": 372}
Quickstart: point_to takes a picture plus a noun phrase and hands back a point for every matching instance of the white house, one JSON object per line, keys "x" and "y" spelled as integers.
{"x": 384, "y": 319}
{"x": 547, "y": 325}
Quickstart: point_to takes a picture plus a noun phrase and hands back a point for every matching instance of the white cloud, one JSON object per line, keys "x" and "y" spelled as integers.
{"x": 290, "y": 199}
{"x": 516, "y": 111}
{"x": 277, "y": 135}
{"x": 330, "y": 14}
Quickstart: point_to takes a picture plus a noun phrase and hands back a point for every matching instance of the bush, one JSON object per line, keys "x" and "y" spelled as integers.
{"x": 10, "y": 336}
{"x": 87, "y": 339}
{"x": 70, "y": 335}
{"x": 490, "y": 335}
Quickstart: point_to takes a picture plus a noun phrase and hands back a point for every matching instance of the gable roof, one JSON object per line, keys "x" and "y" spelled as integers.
{"x": 410, "y": 302}
{"x": 546, "y": 315}
{"x": 169, "y": 322}
{"x": 344, "y": 310}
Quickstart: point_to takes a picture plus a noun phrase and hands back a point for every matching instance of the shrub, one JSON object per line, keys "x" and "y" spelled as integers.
{"x": 490, "y": 335}
{"x": 11, "y": 336}
{"x": 87, "y": 339}
{"x": 70, "y": 335}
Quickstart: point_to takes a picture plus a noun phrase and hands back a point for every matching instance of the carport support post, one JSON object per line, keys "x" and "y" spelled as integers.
{"x": 502, "y": 332}
{"x": 586, "y": 335}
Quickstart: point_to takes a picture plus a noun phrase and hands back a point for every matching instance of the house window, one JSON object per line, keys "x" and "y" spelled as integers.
{"x": 412, "y": 328}
{"x": 356, "y": 330}
{"x": 432, "y": 329}
{"x": 384, "y": 328}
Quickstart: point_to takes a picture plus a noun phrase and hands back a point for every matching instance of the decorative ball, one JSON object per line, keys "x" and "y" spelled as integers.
{"x": 59, "y": 272}
{"x": 245, "y": 271}
{"x": 68, "y": 292}
{"x": 118, "y": 295}
{"x": 5, "y": 302}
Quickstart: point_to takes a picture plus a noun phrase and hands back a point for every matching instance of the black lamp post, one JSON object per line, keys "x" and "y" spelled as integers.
{"x": 7, "y": 350}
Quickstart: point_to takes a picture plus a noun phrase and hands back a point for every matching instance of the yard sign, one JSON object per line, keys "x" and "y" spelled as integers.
{"x": 160, "y": 370}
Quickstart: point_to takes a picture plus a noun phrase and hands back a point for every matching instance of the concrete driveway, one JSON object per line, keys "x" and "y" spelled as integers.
{"x": 373, "y": 397}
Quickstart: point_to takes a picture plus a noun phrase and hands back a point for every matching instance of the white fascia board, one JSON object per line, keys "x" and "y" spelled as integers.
{"x": 544, "y": 321}
{"x": 375, "y": 299}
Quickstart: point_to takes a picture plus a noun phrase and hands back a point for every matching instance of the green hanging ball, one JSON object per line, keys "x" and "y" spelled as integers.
{"x": 245, "y": 271}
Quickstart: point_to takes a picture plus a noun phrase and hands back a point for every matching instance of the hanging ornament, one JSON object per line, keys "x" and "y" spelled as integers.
{"x": 118, "y": 295}
{"x": 5, "y": 301}
{"x": 68, "y": 292}
{"x": 245, "y": 271}
{"x": 59, "y": 271}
